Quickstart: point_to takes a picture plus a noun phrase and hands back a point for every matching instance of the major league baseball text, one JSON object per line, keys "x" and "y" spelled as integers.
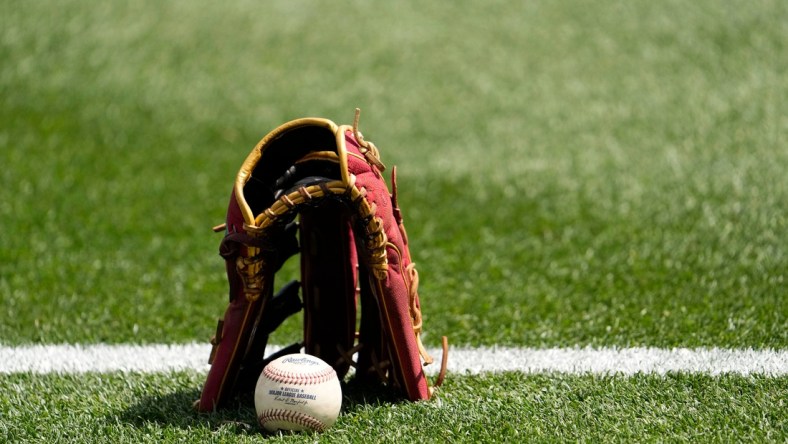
{"x": 298, "y": 392}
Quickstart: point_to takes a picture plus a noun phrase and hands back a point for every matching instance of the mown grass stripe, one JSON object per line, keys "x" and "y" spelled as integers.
{"x": 627, "y": 361}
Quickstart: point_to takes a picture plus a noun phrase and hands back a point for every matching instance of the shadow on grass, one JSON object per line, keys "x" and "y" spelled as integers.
{"x": 175, "y": 409}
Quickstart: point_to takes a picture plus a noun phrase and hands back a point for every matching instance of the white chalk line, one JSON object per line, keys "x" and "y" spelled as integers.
{"x": 159, "y": 358}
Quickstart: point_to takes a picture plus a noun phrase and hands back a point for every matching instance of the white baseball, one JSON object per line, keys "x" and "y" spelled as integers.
{"x": 297, "y": 392}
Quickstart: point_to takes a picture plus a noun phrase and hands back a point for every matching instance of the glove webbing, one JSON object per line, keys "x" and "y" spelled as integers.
{"x": 374, "y": 241}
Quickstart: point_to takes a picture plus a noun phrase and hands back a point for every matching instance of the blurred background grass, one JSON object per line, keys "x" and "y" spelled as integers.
{"x": 605, "y": 173}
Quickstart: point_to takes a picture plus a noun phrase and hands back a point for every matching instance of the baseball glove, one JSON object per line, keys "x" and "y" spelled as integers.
{"x": 315, "y": 188}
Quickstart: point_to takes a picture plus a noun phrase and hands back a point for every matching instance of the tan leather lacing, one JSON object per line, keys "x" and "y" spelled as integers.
{"x": 380, "y": 367}
{"x": 415, "y": 316}
{"x": 329, "y": 156}
{"x": 415, "y": 311}
{"x": 346, "y": 356}
{"x": 367, "y": 148}
{"x": 250, "y": 267}
{"x": 370, "y": 232}
{"x": 373, "y": 237}
{"x": 374, "y": 240}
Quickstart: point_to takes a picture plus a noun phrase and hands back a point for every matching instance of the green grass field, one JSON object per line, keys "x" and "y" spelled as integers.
{"x": 572, "y": 173}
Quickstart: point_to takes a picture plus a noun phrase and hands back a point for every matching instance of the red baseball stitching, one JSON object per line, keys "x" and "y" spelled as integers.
{"x": 290, "y": 416}
{"x": 286, "y": 377}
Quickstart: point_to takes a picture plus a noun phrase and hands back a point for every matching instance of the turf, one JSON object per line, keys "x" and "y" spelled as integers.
{"x": 575, "y": 174}
{"x": 493, "y": 408}
{"x": 572, "y": 173}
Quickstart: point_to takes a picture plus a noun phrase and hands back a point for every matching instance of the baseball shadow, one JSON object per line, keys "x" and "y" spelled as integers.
{"x": 175, "y": 409}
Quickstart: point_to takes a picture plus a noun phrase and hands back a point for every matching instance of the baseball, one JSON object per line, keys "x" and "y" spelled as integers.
{"x": 297, "y": 392}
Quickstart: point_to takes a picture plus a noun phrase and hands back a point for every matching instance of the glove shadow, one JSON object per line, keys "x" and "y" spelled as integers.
{"x": 358, "y": 394}
{"x": 176, "y": 410}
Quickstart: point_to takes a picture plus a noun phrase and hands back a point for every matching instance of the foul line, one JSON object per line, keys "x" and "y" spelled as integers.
{"x": 626, "y": 361}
